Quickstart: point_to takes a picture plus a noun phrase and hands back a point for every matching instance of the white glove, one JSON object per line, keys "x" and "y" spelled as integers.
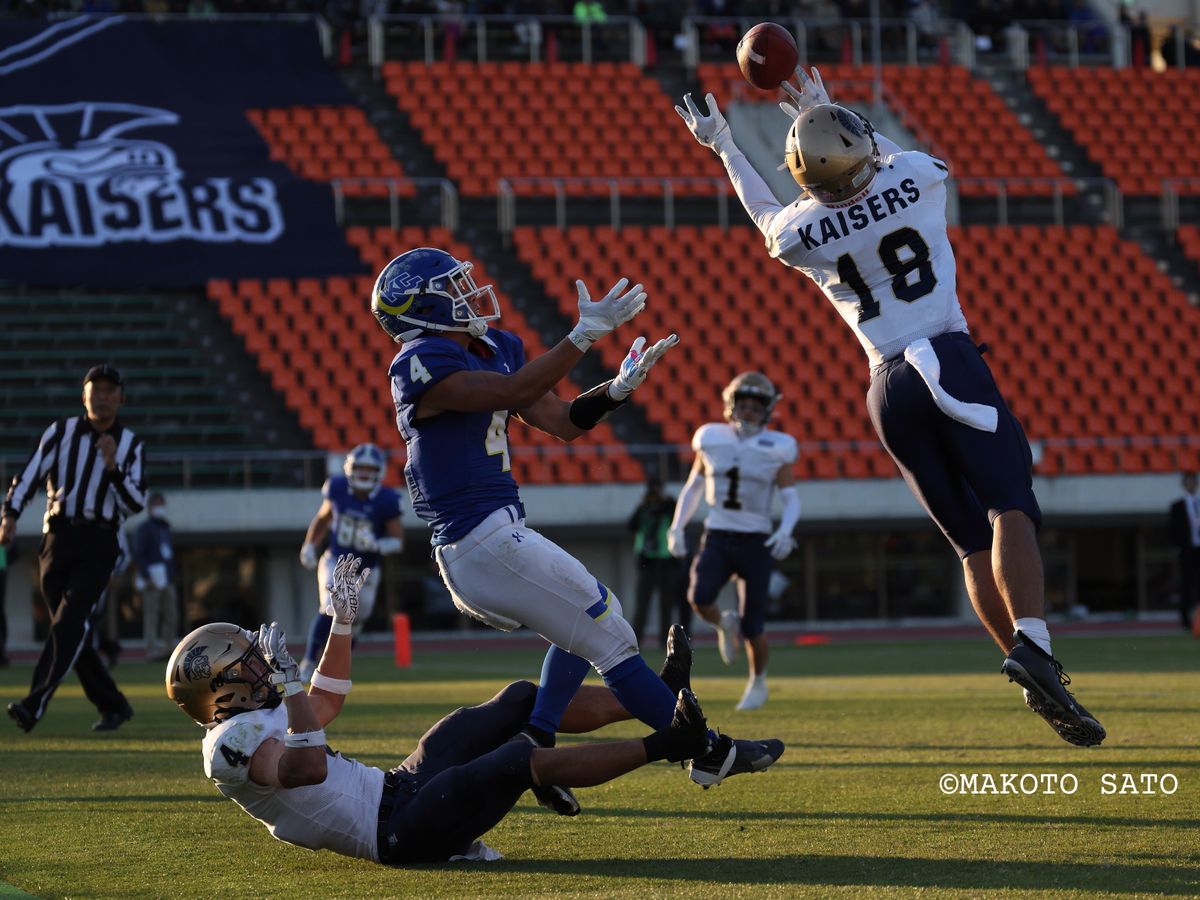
{"x": 781, "y": 544}
{"x": 273, "y": 644}
{"x": 677, "y": 543}
{"x": 308, "y": 556}
{"x": 637, "y": 366}
{"x": 344, "y": 588}
{"x": 810, "y": 93}
{"x": 712, "y": 130}
{"x": 602, "y": 317}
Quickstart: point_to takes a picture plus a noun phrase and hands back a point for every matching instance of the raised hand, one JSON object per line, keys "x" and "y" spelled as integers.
{"x": 806, "y": 93}
{"x": 602, "y": 317}
{"x": 272, "y": 642}
{"x": 637, "y": 366}
{"x": 710, "y": 130}
{"x": 344, "y": 587}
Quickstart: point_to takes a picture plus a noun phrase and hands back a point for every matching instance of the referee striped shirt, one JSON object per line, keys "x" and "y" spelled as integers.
{"x": 78, "y": 487}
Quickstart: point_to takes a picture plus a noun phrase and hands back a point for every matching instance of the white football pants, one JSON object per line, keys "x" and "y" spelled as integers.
{"x": 507, "y": 575}
{"x": 366, "y": 597}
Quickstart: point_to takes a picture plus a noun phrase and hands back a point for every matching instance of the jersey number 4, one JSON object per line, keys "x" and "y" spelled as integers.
{"x": 234, "y": 757}
{"x": 889, "y": 254}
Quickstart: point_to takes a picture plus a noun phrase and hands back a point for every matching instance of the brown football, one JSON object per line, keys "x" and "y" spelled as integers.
{"x": 767, "y": 55}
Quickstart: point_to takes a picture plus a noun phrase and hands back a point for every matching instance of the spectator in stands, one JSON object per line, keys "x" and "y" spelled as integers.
{"x": 1184, "y": 526}
{"x": 932, "y": 399}
{"x": 1139, "y": 36}
{"x": 154, "y": 559}
{"x": 79, "y": 546}
{"x": 658, "y": 570}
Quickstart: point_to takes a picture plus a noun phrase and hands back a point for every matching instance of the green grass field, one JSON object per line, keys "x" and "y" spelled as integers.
{"x": 853, "y": 808}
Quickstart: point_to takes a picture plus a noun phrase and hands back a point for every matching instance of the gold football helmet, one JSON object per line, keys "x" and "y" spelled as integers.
{"x": 831, "y": 153}
{"x": 749, "y": 384}
{"x": 218, "y": 671}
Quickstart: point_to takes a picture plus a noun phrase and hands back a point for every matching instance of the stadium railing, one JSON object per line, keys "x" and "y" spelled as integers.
{"x": 447, "y": 197}
{"x": 1169, "y": 200}
{"x": 1104, "y": 190}
{"x": 506, "y": 196}
{"x": 828, "y": 38}
{"x": 528, "y": 34}
{"x": 1067, "y": 43}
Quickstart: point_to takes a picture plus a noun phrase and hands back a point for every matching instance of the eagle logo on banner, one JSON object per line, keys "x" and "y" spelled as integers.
{"x": 71, "y": 176}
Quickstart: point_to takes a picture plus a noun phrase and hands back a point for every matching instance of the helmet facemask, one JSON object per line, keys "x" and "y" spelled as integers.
{"x": 218, "y": 671}
{"x": 753, "y": 385}
{"x": 467, "y": 299}
{"x": 364, "y": 468}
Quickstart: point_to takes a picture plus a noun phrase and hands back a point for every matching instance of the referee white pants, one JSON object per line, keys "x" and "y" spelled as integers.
{"x": 507, "y": 575}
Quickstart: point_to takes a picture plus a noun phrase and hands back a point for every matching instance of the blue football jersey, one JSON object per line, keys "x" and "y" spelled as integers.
{"x": 357, "y": 521}
{"x": 458, "y": 469}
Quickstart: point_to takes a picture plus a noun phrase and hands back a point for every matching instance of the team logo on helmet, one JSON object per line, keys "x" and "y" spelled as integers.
{"x": 196, "y": 665}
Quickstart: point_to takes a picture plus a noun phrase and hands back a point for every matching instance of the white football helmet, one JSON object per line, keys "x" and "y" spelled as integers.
{"x": 749, "y": 384}
{"x": 218, "y": 671}
{"x": 364, "y": 467}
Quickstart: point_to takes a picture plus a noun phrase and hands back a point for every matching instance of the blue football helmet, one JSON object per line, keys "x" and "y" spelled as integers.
{"x": 429, "y": 290}
{"x": 364, "y": 467}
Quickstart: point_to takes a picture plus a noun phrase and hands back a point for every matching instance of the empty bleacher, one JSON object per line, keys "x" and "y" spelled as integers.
{"x": 1079, "y": 362}
{"x": 323, "y": 143}
{"x": 1139, "y": 126}
{"x": 990, "y": 142}
{"x": 484, "y": 121}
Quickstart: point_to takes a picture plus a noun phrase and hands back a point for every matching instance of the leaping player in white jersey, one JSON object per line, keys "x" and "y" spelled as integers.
{"x": 738, "y": 467}
{"x": 869, "y": 227}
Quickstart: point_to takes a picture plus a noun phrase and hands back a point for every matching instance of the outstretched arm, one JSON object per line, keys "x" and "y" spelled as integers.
{"x": 713, "y": 132}
{"x": 331, "y": 680}
{"x": 470, "y": 391}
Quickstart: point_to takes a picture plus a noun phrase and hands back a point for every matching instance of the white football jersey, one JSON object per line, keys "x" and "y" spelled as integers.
{"x": 339, "y": 814}
{"x": 739, "y": 475}
{"x": 884, "y": 260}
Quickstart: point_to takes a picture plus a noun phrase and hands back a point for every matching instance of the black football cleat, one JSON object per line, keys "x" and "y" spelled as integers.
{"x": 676, "y": 670}
{"x": 23, "y": 717}
{"x": 1045, "y": 684}
{"x": 111, "y": 721}
{"x": 551, "y": 796}
{"x": 734, "y": 757}
{"x": 688, "y": 732}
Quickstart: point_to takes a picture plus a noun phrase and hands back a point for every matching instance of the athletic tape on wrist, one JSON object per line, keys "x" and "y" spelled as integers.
{"x": 341, "y": 627}
{"x": 591, "y": 407}
{"x": 306, "y": 739}
{"x": 332, "y": 685}
{"x": 292, "y": 688}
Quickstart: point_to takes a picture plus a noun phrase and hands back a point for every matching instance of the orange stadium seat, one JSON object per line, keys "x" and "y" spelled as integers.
{"x": 1110, "y": 112}
{"x": 1062, "y": 357}
{"x": 330, "y": 142}
{"x": 521, "y": 120}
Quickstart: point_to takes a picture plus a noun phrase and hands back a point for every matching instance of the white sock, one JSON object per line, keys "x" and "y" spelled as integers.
{"x": 1036, "y": 631}
{"x": 758, "y": 680}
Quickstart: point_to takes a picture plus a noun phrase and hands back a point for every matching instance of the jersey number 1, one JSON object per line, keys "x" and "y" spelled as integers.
{"x": 731, "y": 499}
{"x": 899, "y": 269}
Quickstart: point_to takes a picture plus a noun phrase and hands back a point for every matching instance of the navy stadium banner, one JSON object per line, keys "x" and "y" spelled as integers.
{"x": 127, "y": 160}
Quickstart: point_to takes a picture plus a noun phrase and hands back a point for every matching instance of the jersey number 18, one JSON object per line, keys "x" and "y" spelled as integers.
{"x": 899, "y": 269}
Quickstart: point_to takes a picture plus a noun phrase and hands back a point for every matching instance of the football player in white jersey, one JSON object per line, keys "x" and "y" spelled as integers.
{"x": 268, "y": 753}
{"x": 869, "y": 227}
{"x": 739, "y": 464}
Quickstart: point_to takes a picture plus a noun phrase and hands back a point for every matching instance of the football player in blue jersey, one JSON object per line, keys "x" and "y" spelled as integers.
{"x": 361, "y": 516}
{"x": 455, "y": 383}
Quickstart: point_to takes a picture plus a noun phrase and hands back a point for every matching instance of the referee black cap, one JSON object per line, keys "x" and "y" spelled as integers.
{"x": 105, "y": 371}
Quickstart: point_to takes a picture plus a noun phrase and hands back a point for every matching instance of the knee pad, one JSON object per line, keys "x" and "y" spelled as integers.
{"x": 623, "y": 643}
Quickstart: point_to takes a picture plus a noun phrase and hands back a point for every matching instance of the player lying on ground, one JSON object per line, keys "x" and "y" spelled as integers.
{"x": 268, "y": 752}
{"x": 869, "y": 227}
{"x": 455, "y": 383}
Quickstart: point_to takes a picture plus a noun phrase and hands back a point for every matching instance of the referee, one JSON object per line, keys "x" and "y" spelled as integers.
{"x": 92, "y": 468}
